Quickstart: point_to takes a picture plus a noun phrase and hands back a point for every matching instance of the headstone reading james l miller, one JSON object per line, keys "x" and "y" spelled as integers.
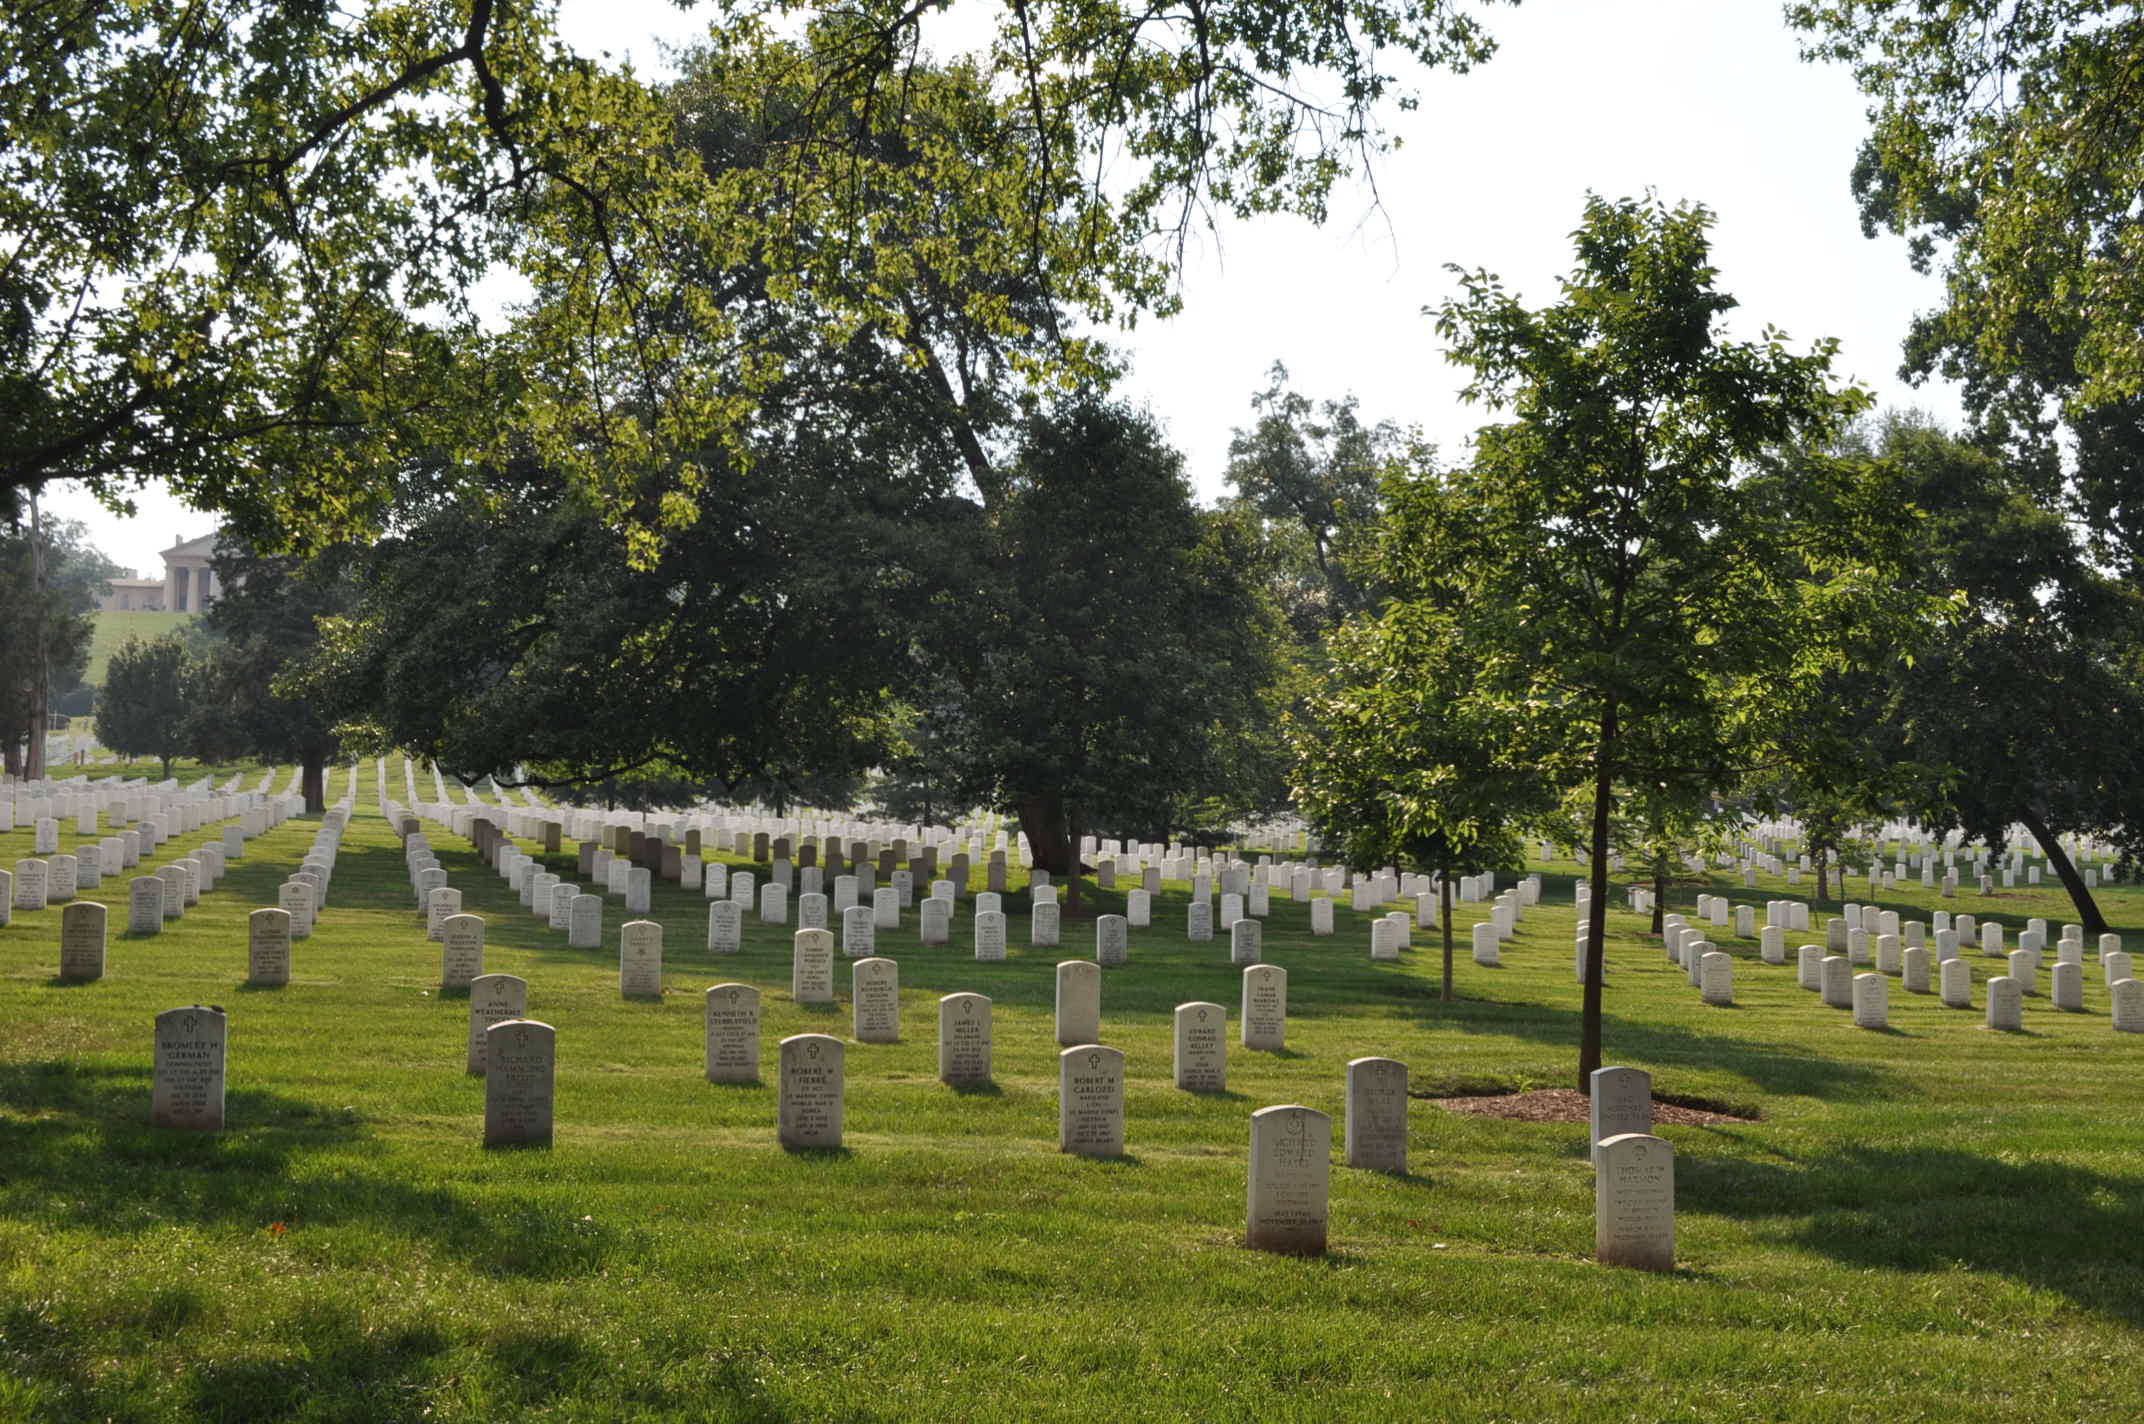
{"x": 964, "y": 1040}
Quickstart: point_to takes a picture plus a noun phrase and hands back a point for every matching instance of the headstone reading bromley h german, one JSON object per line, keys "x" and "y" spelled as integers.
{"x": 520, "y": 1066}
{"x": 811, "y": 967}
{"x": 1377, "y": 1115}
{"x": 1634, "y": 1202}
{"x": 1290, "y": 1180}
{"x": 1090, "y": 1099}
{"x": 964, "y": 1041}
{"x": 493, "y": 998}
{"x": 268, "y": 947}
{"x": 733, "y": 1033}
{"x": 187, "y": 1086}
{"x": 811, "y": 1085}
{"x": 82, "y": 942}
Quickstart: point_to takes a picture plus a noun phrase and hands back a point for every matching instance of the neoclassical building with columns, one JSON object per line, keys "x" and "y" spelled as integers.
{"x": 188, "y": 585}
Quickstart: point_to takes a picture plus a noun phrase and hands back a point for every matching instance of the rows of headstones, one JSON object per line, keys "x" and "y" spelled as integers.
{"x": 142, "y": 822}
{"x": 1876, "y": 941}
{"x": 1940, "y": 864}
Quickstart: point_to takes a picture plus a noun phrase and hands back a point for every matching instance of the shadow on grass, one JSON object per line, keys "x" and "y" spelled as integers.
{"x": 80, "y": 1153}
{"x": 1772, "y": 1067}
{"x": 2048, "y": 1225}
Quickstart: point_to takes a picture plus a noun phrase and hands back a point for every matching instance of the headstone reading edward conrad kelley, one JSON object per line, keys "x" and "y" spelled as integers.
{"x": 520, "y": 1063}
{"x": 1202, "y": 1048}
{"x": 1290, "y": 1180}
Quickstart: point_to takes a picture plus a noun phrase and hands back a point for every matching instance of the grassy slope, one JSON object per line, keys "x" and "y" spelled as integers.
{"x": 115, "y": 628}
{"x": 1933, "y": 1223}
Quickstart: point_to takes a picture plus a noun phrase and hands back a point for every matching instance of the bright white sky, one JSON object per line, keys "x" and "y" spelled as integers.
{"x": 1699, "y": 100}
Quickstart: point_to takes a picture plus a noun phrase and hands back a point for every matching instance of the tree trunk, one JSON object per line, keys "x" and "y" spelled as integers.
{"x": 1821, "y": 857}
{"x": 1660, "y": 888}
{"x": 2087, "y": 908}
{"x": 1589, "y": 1041}
{"x": 1042, "y": 820}
{"x": 40, "y": 670}
{"x": 313, "y": 773}
{"x": 1444, "y": 887}
{"x": 166, "y": 763}
{"x": 1072, "y": 882}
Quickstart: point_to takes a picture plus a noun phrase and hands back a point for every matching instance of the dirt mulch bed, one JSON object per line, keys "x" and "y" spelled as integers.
{"x": 1570, "y": 1105}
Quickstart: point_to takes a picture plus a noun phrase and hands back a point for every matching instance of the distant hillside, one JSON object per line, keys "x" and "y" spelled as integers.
{"x": 115, "y": 628}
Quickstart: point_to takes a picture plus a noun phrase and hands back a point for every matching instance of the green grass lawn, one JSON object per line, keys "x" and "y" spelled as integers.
{"x": 115, "y": 628}
{"x": 1932, "y": 1223}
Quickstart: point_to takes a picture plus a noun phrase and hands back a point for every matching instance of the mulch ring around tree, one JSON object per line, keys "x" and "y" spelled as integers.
{"x": 1570, "y": 1105}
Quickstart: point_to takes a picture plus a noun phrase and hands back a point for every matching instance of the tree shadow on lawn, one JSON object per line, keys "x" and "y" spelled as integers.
{"x": 1769, "y": 1067}
{"x": 80, "y": 1153}
{"x": 2049, "y": 1225}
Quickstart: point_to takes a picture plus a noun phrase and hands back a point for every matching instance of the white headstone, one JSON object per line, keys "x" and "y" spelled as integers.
{"x": 725, "y": 926}
{"x": 1090, "y": 1098}
{"x": 1872, "y": 1001}
{"x": 2126, "y": 999}
{"x": 640, "y": 960}
{"x": 1079, "y": 1002}
{"x": 2006, "y": 1003}
{"x": 964, "y": 1040}
{"x": 1716, "y": 974}
{"x": 585, "y": 927}
{"x": 520, "y": 1066}
{"x": 1290, "y": 1180}
{"x": 1956, "y": 984}
{"x": 1265, "y": 1008}
{"x": 145, "y": 905}
{"x": 2066, "y": 989}
{"x": 268, "y": 947}
{"x": 1622, "y": 1102}
{"x": 493, "y": 998}
{"x": 811, "y": 967}
{"x": 990, "y": 934}
{"x": 875, "y": 1000}
{"x": 1377, "y": 1115}
{"x": 1913, "y": 966}
{"x": 1838, "y": 981}
{"x": 82, "y": 942}
{"x": 732, "y": 1024}
{"x": 1202, "y": 1048}
{"x": 187, "y": 1086}
{"x": 859, "y": 939}
{"x": 1634, "y": 1201}
{"x": 1042, "y": 926}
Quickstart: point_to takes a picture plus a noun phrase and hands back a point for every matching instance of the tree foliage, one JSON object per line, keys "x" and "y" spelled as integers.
{"x": 2005, "y": 143}
{"x": 1117, "y": 635}
{"x": 148, "y": 689}
{"x": 1312, "y": 470}
{"x": 1642, "y": 608}
{"x": 245, "y": 239}
{"x": 50, "y": 580}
